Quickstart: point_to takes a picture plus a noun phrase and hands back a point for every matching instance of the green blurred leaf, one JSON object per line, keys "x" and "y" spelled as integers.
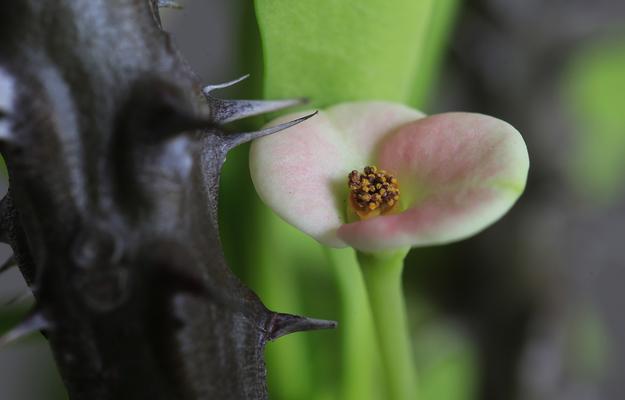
{"x": 335, "y": 50}
{"x": 447, "y": 362}
{"x": 595, "y": 89}
{"x": 289, "y": 275}
{"x": 438, "y": 34}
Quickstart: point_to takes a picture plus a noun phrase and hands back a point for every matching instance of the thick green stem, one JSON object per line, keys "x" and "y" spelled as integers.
{"x": 360, "y": 355}
{"x": 382, "y": 274}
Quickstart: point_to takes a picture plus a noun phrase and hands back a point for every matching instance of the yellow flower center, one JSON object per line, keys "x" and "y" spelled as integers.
{"x": 372, "y": 192}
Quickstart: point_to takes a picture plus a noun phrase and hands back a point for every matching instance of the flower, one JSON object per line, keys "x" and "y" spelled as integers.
{"x": 457, "y": 174}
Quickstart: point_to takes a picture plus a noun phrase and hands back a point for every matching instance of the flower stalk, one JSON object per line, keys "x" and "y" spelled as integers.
{"x": 382, "y": 273}
{"x": 360, "y": 352}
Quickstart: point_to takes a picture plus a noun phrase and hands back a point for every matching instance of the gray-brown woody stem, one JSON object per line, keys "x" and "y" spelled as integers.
{"x": 114, "y": 171}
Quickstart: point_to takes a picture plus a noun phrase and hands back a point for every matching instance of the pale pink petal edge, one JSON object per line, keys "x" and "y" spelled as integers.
{"x": 472, "y": 168}
{"x": 301, "y": 173}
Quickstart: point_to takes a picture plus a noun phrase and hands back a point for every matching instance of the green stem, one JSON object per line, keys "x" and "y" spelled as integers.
{"x": 382, "y": 274}
{"x": 291, "y": 375}
{"x": 360, "y": 355}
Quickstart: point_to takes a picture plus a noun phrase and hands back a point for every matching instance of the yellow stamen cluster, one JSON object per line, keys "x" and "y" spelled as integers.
{"x": 372, "y": 192}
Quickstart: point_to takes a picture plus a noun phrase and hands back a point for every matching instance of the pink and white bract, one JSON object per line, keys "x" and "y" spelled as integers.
{"x": 458, "y": 173}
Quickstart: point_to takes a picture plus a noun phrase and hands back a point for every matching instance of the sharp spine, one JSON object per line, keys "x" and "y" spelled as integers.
{"x": 8, "y": 264}
{"x": 35, "y": 322}
{"x": 224, "y": 110}
{"x": 18, "y": 298}
{"x": 169, "y": 4}
{"x": 210, "y": 88}
{"x": 284, "y": 324}
{"x": 235, "y": 139}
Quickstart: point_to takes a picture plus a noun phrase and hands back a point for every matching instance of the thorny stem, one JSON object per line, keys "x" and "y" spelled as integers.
{"x": 382, "y": 274}
{"x": 360, "y": 353}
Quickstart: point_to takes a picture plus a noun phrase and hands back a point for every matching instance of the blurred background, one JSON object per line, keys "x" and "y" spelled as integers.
{"x": 531, "y": 309}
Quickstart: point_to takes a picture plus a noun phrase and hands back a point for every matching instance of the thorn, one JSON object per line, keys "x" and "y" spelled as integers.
{"x": 235, "y": 139}
{"x": 209, "y": 88}
{"x": 18, "y": 298}
{"x": 8, "y": 264}
{"x": 225, "y": 111}
{"x": 169, "y": 4}
{"x": 35, "y": 322}
{"x": 284, "y": 324}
